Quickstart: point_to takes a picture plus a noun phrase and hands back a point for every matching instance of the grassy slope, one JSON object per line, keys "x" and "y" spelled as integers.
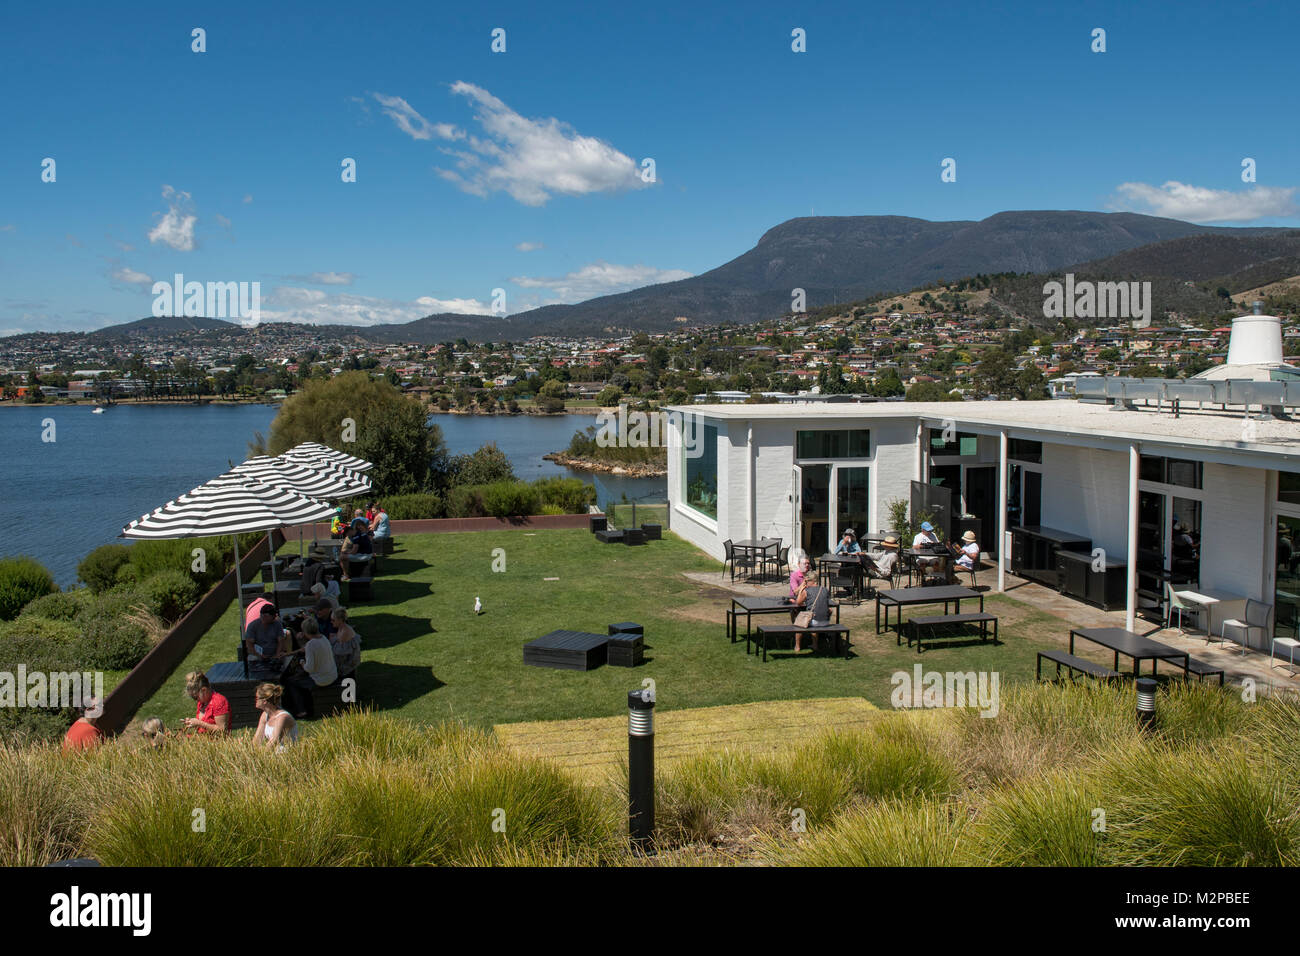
{"x": 426, "y": 657}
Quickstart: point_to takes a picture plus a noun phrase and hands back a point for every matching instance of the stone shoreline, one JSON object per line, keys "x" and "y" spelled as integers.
{"x": 608, "y": 467}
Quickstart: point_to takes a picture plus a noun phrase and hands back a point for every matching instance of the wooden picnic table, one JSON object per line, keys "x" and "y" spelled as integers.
{"x": 749, "y": 606}
{"x": 944, "y": 594}
{"x": 1132, "y": 645}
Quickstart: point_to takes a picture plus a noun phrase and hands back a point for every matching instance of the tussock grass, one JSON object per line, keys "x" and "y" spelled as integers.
{"x": 1061, "y": 777}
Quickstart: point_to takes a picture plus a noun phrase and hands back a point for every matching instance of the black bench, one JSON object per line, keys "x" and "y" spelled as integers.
{"x": 1204, "y": 669}
{"x": 817, "y": 630}
{"x": 328, "y": 700}
{"x": 653, "y": 532}
{"x": 228, "y": 680}
{"x": 633, "y": 536}
{"x": 981, "y": 618}
{"x": 568, "y": 650}
{"x": 597, "y": 523}
{"x": 1063, "y": 659}
{"x": 358, "y": 589}
{"x": 610, "y": 536}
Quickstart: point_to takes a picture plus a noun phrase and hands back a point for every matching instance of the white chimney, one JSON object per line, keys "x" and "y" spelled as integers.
{"x": 1256, "y": 339}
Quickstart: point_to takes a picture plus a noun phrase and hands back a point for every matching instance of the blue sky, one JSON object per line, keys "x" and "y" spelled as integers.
{"x": 522, "y": 170}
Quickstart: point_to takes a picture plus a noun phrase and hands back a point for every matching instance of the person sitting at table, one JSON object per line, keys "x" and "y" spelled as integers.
{"x": 314, "y": 669}
{"x": 276, "y": 726}
{"x": 815, "y": 601}
{"x": 379, "y": 528}
{"x": 266, "y": 643}
{"x": 926, "y": 538}
{"x": 322, "y": 611}
{"x": 346, "y": 644}
{"x": 885, "y": 559}
{"x": 328, "y": 591}
{"x": 849, "y": 543}
{"x": 969, "y": 552}
{"x": 800, "y": 567}
{"x": 370, "y": 512}
{"x": 313, "y": 569}
{"x": 356, "y": 545}
{"x": 211, "y": 711}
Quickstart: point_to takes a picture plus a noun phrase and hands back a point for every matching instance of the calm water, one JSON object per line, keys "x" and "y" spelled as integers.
{"x": 101, "y": 471}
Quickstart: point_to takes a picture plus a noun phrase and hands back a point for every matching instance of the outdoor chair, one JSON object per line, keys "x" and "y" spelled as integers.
{"x": 1288, "y": 642}
{"x": 782, "y": 559}
{"x": 1175, "y": 604}
{"x": 745, "y": 560}
{"x": 1256, "y": 618}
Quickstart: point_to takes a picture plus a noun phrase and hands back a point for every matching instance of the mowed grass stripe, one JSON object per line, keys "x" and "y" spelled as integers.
{"x": 601, "y": 743}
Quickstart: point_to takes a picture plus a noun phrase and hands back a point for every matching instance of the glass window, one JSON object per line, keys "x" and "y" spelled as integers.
{"x": 702, "y": 474}
{"x": 963, "y": 443}
{"x": 1288, "y": 487}
{"x": 834, "y": 443}
{"x": 1023, "y": 450}
{"x": 1170, "y": 471}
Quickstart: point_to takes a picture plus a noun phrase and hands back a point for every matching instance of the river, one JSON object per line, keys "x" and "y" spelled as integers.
{"x": 70, "y": 495}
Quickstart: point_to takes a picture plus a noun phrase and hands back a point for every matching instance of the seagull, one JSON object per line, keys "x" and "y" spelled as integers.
{"x": 478, "y": 606}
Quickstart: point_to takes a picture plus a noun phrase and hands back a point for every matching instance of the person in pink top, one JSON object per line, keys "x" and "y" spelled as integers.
{"x": 801, "y": 566}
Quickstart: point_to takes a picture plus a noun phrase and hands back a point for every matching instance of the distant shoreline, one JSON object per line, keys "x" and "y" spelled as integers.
{"x": 188, "y": 403}
{"x": 607, "y": 467}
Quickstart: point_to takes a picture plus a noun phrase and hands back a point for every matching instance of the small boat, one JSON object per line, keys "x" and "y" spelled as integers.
{"x": 98, "y": 410}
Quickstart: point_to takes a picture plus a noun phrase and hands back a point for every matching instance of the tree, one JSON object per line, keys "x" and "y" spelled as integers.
{"x": 391, "y": 430}
{"x": 995, "y": 373}
{"x": 609, "y": 395}
{"x": 931, "y": 392}
{"x": 887, "y": 385}
{"x": 554, "y": 389}
{"x": 482, "y": 467}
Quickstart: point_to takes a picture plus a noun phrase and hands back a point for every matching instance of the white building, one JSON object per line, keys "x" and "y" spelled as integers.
{"x": 1209, "y": 498}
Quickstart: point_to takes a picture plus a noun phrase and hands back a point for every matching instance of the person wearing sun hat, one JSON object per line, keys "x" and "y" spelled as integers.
{"x": 886, "y": 557}
{"x": 970, "y": 552}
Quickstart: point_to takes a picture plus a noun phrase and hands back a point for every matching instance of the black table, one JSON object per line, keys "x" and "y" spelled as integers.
{"x": 1131, "y": 645}
{"x": 750, "y": 606}
{"x": 757, "y": 548}
{"x": 829, "y": 564}
{"x": 944, "y": 594}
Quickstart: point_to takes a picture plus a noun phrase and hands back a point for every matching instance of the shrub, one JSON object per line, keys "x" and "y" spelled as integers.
{"x": 466, "y": 501}
{"x": 169, "y": 594}
{"x": 570, "y": 495}
{"x": 506, "y": 499}
{"x": 52, "y": 641}
{"x": 58, "y": 605}
{"x": 116, "y": 632}
{"x": 892, "y": 833}
{"x": 128, "y": 576}
{"x": 409, "y": 507}
{"x": 98, "y": 570}
{"x": 22, "y": 579}
{"x": 151, "y": 556}
{"x": 482, "y": 467}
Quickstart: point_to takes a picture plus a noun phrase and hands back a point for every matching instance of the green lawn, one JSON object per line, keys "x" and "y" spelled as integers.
{"x": 426, "y": 656}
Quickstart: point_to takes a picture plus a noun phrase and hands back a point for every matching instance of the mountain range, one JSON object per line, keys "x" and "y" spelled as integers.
{"x": 848, "y": 258}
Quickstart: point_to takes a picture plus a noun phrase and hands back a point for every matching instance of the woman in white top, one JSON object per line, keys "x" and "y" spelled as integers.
{"x": 276, "y": 727}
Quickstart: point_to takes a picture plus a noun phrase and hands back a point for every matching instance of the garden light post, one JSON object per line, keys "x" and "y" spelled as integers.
{"x": 1146, "y": 703}
{"x": 641, "y": 768}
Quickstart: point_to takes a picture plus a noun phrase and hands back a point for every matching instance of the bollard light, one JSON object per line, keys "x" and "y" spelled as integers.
{"x": 641, "y": 768}
{"x": 1146, "y": 704}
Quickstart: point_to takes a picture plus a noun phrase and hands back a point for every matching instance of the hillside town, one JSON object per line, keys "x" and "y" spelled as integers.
{"x": 920, "y": 355}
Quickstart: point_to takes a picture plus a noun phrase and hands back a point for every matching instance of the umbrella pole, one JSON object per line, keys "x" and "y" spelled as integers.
{"x": 239, "y": 599}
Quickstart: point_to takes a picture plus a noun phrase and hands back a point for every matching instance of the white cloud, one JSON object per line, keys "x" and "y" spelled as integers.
{"x": 223, "y": 221}
{"x": 176, "y": 227}
{"x": 529, "y": 246}
{"x": 131, "y": 277}
{"x": 317, "y": 307}
{"x": 8, "y": 228}
{"x": 248, "y": 199}
{"x": 600, "y": 278}
{"x": 412, "y": 123}
{"x": 325, "y": 278}
{"x": 529, "y": 159}
{"x": 1175, "y": 200}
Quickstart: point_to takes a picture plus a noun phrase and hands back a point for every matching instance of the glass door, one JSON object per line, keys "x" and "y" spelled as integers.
{"x": 852, "y": 500}
{"x": 815, "y": 509}
{"x": 1286, "y": 593}
{"x": 1151, "y": 551}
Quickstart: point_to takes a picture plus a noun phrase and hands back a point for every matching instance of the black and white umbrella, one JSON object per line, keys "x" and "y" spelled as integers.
{"x": 321, "y": 480}
{"x": 230, "y": 504}
{"x": 311, "y": 451}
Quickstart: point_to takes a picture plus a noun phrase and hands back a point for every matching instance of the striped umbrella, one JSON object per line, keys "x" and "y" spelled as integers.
{"x": 315, "y": 451}
{"x": 230, "y": 504}
{"x": 322, "y": 480}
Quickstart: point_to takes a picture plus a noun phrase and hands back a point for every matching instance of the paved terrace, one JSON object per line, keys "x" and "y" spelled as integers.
{"x": 1073, "y": 614}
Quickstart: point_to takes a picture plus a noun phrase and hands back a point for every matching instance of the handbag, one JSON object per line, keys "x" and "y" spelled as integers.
{"x": 803, "y": 618}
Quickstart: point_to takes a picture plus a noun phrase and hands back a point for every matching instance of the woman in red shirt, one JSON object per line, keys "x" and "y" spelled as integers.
{"x": 212, "y": 710}
{"x": 84, "y": 734}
